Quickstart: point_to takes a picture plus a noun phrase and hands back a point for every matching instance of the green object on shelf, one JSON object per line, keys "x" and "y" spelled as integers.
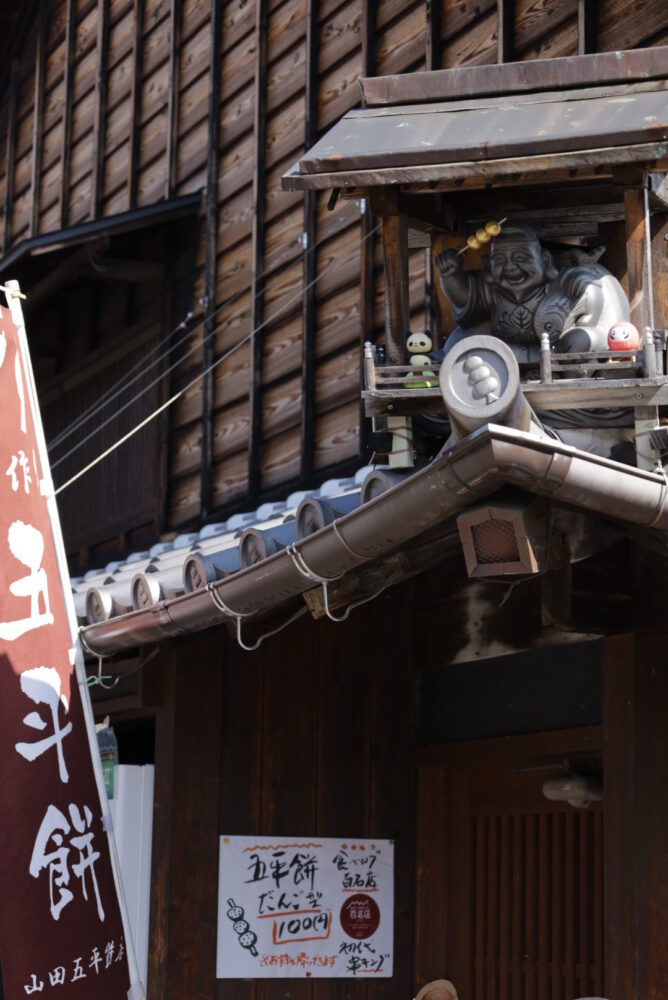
{"x": 108, "y": 769}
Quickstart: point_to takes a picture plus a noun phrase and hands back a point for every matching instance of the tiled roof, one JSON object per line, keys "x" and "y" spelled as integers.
{"x": 192, "y": 560}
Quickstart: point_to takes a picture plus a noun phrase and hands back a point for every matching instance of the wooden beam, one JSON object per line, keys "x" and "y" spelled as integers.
{"x": 37, "y": 123}
{"x": 505, "y": 30}
{"x": 433, "y": 58}
{"x": 135, "y": 102}
{"x": 11, "y": 155}
{"x": 309, "y": 240}
{"x": 174, "y": 92}
{"x": 395, "y": 255}
{"x": 208, "y": 348}
{"x": 369, "y": 10}
{"x": 585, "y": 741}
{"x": 257, "y": 277}
{"x": 637, "y": 239}
{"x": 369, "y": 13}
{"x": 66, "y": 144}
{"x": 586, "y": 27}
{"x": 434, "y": 45}
{"x": 99, "y": 121}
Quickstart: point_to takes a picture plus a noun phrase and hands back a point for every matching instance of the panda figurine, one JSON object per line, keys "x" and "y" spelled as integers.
{"x": 418, "y": 346}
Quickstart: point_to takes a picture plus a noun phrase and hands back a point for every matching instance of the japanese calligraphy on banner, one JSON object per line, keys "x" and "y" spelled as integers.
{"x": 305, "y": 907}
{"x": 61, "y": 928}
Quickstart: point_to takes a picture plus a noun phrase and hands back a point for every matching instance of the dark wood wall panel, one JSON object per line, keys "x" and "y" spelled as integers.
{"x": 542, "y": 26}
{"x": 155, "y": 134}
{"x": 621, "y": 25}
{"x": 268, "y": 743}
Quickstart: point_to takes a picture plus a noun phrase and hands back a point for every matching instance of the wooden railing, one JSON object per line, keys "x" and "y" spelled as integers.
{"x": 595, "y": 380}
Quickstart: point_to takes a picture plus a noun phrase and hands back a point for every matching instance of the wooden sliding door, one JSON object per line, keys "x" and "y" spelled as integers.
{"x": 512, "y": 906}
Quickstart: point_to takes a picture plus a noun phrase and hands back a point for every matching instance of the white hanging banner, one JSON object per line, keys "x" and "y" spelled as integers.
{"x": 305, "y": 907}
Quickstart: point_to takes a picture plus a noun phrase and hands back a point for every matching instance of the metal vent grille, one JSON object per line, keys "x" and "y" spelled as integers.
{"x": 495, "y": 542}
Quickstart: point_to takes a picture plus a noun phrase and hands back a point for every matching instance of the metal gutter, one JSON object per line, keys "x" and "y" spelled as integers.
{"x": 473, "y": 469}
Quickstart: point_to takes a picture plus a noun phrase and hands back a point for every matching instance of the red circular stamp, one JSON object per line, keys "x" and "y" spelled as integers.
{"x": 360, "y": 916}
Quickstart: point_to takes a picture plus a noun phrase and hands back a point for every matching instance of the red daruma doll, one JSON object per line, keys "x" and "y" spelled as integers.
{"x": 623, "y": 336}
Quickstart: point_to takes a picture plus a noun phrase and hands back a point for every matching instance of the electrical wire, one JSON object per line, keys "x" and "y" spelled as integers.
{"x": 180, "y": 361}
{"x": 200, "y": 375}
{"x": 141, "y": 367}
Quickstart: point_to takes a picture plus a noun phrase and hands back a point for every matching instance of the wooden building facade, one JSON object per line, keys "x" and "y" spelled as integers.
{"x": 115, "y": 111}
{"x": 142, "y": 146}
{"x": 383, "y": 726}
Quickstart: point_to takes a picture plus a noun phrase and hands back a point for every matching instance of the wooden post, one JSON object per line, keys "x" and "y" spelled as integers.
{"x": 208, "y": 334}
{"x": 397, "y": 310}
{"x": 638, "y": 243}
{"x": 135, "y": 102}
{"x": 37, "y": 123}
{"x": 11, "y": 155}
{"x": 99, "y": 121}
{"x": 635, "y": 772}
{"x": 395, "y": 253}
{"x": 171, "y": 146}
{"x": 66, "y": 146}
{"x": 637, "y": 255}
{"x": 257, "y": 277}
{"x": 366, "y": 312}
{"x": 433, "y": 59}
{"x": 309, "y": 241}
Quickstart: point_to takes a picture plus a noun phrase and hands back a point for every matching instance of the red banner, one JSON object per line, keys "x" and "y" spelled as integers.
{"x": 61, "y": 930}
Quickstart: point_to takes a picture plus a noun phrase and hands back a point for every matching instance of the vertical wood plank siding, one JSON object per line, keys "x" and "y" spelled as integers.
{"x": 135, "y": 101}
{"x": 366, "y": 299}
{"x": 586, "y": 26}
{"x": 66, "y": 128}
{"x": 37, "y": 118}
{"x": 257, "y": 330}
{"x": 124, "y": 124}
{"x": 309, "y": 249}
{"x": 11, "y": 154}
{"x": 101, "y": 55}
{"x": 208, "y": 346}
{"x": 505, "y": 25}
{"x": 174, "y": 94}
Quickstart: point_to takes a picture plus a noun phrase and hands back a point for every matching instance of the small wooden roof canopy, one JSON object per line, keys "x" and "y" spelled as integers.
{"x": 564, "y": 145}
{"x": 489, "y": 122}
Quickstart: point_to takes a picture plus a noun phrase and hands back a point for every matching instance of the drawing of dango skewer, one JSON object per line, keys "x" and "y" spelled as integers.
{"x": 241, "y": 928}
{"x": 483, "y": 235}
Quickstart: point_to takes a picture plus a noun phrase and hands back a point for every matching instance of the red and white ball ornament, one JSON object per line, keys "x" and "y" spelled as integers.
{"x": 623, "y": 336}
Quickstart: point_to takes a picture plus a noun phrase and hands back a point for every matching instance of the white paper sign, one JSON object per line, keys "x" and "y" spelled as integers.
{"x": 305, "y": 907}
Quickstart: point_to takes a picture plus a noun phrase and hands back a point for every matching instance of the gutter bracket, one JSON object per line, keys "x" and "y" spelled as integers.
{"x": 239, "y": 615}
{"x": 300, "y": 564}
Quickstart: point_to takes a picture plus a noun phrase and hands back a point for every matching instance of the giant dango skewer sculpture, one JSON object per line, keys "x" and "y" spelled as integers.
{"x": 483, "y": 235}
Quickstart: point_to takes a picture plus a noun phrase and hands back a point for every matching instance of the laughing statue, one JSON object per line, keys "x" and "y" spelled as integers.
{"x": 525, "y": 291}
